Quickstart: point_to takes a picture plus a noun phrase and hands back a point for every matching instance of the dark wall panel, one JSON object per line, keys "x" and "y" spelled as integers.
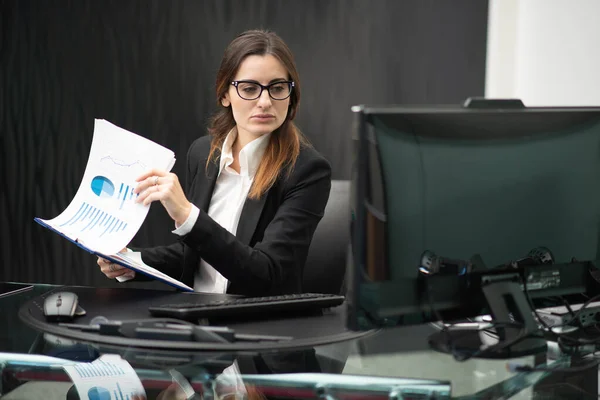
{"x": 149, "y": 66}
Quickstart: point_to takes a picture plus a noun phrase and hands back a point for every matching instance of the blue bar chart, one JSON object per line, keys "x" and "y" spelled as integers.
{"x": 98, "y": 369}
{"x": 125, "y": 193}
{"x": 105, "y": 380}
{"x": 89, "y": 218}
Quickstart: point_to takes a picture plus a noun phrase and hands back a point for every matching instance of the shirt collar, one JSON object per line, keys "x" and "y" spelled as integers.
{"x": 250, "y": 155}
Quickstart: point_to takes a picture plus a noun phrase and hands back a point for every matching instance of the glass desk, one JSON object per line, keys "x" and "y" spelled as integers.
{"x": 391, "y": 364}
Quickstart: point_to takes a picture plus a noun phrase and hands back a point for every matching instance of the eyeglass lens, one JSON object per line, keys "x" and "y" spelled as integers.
{"x": 251, "y": 90}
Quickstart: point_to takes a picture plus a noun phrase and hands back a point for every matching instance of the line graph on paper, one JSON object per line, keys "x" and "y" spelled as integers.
{"x": 125, "y": 167}
{"x": 114, "y": 161}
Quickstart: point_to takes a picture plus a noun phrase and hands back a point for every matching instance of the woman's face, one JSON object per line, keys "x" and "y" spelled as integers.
{"x": 264, "y": 114}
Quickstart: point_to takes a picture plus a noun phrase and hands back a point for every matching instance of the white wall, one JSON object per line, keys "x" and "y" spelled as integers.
{"x": 545, "y": 52}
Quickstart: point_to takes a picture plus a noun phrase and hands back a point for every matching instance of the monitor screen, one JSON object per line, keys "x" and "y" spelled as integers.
{"x": 476, "y": 188}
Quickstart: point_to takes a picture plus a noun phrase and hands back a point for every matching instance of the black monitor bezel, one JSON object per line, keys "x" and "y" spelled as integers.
{"x": 447, "y": 285}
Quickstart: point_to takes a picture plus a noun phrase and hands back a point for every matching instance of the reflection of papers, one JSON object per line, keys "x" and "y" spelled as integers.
{"x": 107, "y": 378}
{"x": 103, "y": 214}
{"x": 133, "y": 259}
{"x": 230, "y": 383}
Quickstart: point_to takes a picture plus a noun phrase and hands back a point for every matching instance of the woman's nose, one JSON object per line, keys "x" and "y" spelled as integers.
{"x": 264, "y": 100}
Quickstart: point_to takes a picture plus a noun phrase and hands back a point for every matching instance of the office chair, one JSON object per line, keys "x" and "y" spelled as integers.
{"x": 324, "y": 272}
{"x": 325, "y": 266}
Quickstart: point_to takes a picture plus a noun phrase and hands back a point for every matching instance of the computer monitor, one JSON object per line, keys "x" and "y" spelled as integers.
{"x": 447, "y": 199}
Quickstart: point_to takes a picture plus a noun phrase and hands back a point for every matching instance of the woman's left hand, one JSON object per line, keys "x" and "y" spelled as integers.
{"x": 165, "y": 187}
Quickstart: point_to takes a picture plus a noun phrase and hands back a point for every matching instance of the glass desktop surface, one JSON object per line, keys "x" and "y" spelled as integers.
{"x": 10, "y": 288}
{"x": 382, "y": 364}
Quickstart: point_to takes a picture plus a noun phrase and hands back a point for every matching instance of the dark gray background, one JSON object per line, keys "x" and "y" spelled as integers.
{"x": 149, "y": 66}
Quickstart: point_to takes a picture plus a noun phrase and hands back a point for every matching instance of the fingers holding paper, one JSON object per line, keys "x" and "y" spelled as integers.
{"x": 165, "y": 187}
{"x": 112, "y": 270}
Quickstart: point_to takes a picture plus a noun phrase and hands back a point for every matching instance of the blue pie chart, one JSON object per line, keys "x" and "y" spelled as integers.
{"x": 98, "y": 393}
{"x": 102, "y": 186}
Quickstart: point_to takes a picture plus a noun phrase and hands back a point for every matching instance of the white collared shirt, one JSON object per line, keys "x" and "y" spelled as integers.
{"x": 227, "y": 201}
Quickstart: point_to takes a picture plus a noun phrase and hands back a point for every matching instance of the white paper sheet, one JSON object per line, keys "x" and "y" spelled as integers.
{"x": 103, "y": 214}
{"x": 107, "y": 378}
{"x": 134, "y": 259}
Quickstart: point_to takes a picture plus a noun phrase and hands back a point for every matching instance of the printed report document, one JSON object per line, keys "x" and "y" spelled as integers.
{"x": 103, "y": 216}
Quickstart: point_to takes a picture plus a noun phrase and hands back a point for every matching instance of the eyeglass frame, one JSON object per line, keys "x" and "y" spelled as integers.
{"x": 262, "y": 88}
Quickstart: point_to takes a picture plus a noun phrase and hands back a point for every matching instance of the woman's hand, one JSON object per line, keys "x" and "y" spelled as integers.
{"x": 165, "y": 187}
{"x": 112, "y": 270}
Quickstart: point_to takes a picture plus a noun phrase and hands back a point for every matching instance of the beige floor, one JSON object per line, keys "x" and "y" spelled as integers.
{"x": 467, "y": 377}
{"x": 39, "y": 390}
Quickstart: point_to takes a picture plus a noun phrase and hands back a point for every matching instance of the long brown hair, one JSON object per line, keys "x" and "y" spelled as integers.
{"x": 285, "y": 142}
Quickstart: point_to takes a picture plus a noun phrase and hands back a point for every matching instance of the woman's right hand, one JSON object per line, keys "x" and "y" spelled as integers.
{"x": 112, "y": 270}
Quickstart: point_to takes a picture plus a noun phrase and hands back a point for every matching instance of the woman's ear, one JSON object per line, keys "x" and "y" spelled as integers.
{"x": 225, "y": 101}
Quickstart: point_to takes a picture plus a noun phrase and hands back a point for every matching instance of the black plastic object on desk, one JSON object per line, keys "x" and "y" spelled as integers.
{"x": 301, "y": 302}
{"x": 169, "y": 329}
{"x": 109, "y": 306}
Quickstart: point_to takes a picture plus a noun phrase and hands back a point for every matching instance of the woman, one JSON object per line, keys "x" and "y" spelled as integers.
{"x": 255, "y": 189}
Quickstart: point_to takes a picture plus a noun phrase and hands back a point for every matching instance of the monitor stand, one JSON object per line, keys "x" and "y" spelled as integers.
{"x": 507, "y": 303}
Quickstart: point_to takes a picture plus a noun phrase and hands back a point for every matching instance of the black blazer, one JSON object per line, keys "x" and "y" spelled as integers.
{"x": 267, "y": 255}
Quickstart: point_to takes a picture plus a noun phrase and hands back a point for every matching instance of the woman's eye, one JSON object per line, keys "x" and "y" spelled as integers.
{"x": 249, "y": 89}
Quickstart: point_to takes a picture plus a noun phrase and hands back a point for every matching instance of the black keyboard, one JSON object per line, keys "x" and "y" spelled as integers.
{"x": 249, "y": 305}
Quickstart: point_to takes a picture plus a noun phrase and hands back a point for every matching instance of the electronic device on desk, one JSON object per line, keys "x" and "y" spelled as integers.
{"x": 248, "y": 306}
{"x": 445, "y": 197}
{"x": 62, "y": 306}
{"x": 561, "y": 316}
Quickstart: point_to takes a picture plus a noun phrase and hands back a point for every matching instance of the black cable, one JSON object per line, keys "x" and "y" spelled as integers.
{"x": 567, "y": 344}
{"x": 583, "y": 307}
{"x": 532, "y": 306}
{"x": 460, "y": 355}
{"x": 562, "y": 338}
{"x": 513, "y": 367}
{"x": 568, "y": 306}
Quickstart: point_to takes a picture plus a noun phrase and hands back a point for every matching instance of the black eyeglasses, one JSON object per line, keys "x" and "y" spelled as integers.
{"x": 250, "y": 90}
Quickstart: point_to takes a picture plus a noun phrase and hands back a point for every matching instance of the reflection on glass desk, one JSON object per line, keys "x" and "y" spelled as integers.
{"x": 395, "y": 363}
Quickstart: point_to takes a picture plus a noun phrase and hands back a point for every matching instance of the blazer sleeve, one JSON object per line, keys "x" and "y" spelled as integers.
{"x": 169, "y": 259}
{"x": 278, "y": 260}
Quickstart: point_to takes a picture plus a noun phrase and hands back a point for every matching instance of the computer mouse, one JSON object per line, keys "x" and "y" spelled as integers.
{"x": 61, "y": 306}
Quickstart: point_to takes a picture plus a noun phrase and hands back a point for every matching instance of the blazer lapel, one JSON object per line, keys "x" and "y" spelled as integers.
{"x": 202, "y": 189}
{"x": 249, "y": 218}
{"x": 205, "y": 185}
{"x": 206, "y": 180}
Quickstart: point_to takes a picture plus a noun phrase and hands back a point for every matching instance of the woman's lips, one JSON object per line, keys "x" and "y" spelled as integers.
{"x": 263, "y": 117}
